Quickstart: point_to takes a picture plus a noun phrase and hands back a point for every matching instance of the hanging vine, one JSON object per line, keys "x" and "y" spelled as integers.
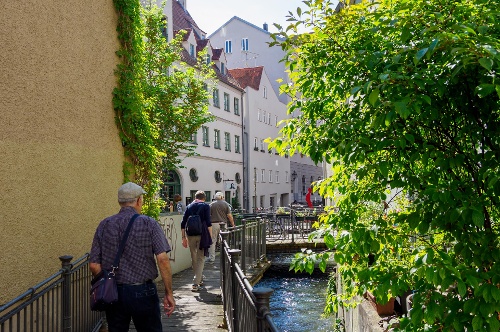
{"x": 157, "y": 108}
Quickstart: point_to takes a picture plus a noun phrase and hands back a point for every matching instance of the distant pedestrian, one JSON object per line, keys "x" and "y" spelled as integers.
{"x": 179, "y": 206}
{"x": 198, "y": 244}
{"x": 220, "y": 213}
{"x": 137, "y": 294}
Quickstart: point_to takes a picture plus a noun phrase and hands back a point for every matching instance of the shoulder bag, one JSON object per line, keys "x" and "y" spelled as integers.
{"x": 103, "y": 290}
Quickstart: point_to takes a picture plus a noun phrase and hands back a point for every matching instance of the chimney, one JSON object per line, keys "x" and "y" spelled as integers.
{"x": 265, "y": 27}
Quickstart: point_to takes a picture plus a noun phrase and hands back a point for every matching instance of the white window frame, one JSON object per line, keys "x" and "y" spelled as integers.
{"x": 236, "y": 106}
{"x": 277, "y": 177}
{"x": 228, "y": 46}
{"x": 227, "y": 141}
{"x": 206, "y": 138}
{"x": 191, "y": 51}
{"x": 216, "y": 139}
{"x": 286, "y": 177}
{"x": 270, "y": 176}
{"x": 216, "y": 98}
{"x": 237, "y": 144}
{"x": 265, "y": 92}
{"x": 263, "y": 175}
{"x": 262, "y": 144}
{"x": 255, "y": 143}
{"x": 227, "y": 104}
{"x": 244, "y": 44}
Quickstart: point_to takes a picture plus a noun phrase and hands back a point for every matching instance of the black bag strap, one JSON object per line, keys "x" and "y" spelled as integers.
{"x": 199, "y": 207}
{"x": 122, "y": 244}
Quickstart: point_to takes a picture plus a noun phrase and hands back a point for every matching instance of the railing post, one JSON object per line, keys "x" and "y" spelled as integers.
{"x": 292, "y": 219}
{"x": 262, "y": 296}
{"x": 244, "y": 248}
{"x": 259, "y": 240}
{"x": 235, "y": 258}
{"x": 223, "y": 268}
{"x": 66, "y": 292}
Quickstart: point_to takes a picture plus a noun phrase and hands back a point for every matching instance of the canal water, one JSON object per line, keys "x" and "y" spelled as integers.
{"x": 298, "y": 299}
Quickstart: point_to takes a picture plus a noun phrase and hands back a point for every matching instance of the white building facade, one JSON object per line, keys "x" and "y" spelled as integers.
{"x": 218, "y": 161}
{"x": 246, "y": 45}
{"x": 266, "y": 174}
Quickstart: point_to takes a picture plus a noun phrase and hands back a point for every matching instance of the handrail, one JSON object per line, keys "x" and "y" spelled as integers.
{"x": 246, "y": 308}
{"x": 59, "y": 303}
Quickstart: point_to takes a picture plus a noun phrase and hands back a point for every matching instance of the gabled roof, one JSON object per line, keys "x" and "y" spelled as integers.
{"x": 216, "y": 53}
{"x": 186, "y": 35}
{"x": 201, "y": 44}
{"x": 248, "y": 76}
{"x": 236, "y": 18}
{"x": 182, "y": 20}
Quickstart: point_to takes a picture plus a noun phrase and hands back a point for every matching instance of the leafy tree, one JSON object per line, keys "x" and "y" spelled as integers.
{"x": 401, "y": 98}
{"x": 159, "y": 102}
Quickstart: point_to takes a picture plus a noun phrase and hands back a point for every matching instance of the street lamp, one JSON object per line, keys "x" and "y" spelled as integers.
{"x": 294, "y": 176}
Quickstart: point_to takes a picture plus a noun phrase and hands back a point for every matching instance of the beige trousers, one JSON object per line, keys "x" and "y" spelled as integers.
{"x": 197, "y": 257}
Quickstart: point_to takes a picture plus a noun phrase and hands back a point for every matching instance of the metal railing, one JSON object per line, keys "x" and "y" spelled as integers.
{"x": 59, "y": 303}
{"x": 287, "y": 224}
{"x": 245, "y": 308}
{"x": 250, "y": 238}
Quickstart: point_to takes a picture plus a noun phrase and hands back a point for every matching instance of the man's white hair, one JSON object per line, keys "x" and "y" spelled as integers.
{"x": 219, "y": 195}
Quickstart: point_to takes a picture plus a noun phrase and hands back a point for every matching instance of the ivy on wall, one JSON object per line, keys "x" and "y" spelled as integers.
{"x": 158, "y": 108}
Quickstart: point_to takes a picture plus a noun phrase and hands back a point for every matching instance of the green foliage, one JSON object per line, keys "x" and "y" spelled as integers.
{"x": 403, "y": 94}
{"x": 157, "y": 108}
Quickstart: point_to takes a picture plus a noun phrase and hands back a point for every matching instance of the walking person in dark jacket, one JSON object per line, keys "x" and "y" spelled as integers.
{"x": 137, "y": 269}
{"x": 198, "y": 244}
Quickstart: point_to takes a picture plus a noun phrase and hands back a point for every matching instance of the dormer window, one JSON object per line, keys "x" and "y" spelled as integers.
{"x": 208, "y": 58}
{"x": 222, "y": 67}
{"x": 191, "y": 50}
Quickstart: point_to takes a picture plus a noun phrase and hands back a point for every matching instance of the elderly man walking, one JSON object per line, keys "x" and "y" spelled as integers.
{"x": 137, "y": 294}
{"x": 219, "y": 213}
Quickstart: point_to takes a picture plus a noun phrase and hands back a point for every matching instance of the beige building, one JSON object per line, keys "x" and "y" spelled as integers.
{"x": 61, "y": 154}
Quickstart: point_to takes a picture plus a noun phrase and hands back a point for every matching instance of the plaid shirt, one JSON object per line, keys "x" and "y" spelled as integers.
{"x": 145, "y": 241}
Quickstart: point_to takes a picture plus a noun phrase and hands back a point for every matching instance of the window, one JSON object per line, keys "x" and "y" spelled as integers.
{"x": 236, "y": 106}
{"x": 263, "y": 175}
{"x": 193, "y": 175}
{"x": 194, "y": 138}
{"x": 286, "y": 177}
{"x": 261, "y": 144}
{"x": 264, "y": 116}
{"x": 227, "y": 141}
{"x": 277, "y": 177}
{"x": 226, "y": 102}
{"x": 258, "y": 115}
{"x": 265, "y": 92}
{"x": 191, "y": 50}
{"x": 276, "y": 119}
{"x": 268, "y": 118}
{"x": 229, "y": 46}
{"x": 204, "y": 130}
{"x": 216, "y": 139}
{"x": 255, "y": 146}
{"x": 270, "y": 176}
{"x": 222, "y": 68}
{"x": 244, "y": 44}
{"x": 208, "y": 58}
{"x": 236, "y": 144}
{"x": 216, "y": 97}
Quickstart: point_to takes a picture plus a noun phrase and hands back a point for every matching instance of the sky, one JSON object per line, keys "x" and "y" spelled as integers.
{"x": 211, "y": 14}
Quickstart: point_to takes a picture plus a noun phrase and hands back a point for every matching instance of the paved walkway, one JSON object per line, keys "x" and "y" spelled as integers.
{"x": 195, "y": 311}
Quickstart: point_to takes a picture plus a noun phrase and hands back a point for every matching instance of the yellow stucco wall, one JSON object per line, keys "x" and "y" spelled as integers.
{"x": 61, "y": 157}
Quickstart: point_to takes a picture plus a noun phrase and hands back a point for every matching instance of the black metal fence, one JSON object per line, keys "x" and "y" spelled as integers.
{"x": 59, "y": 303}
{"x": 250, "y": 238}
{"x": 245, "y": 308}
{"x": 286, "y": 224}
